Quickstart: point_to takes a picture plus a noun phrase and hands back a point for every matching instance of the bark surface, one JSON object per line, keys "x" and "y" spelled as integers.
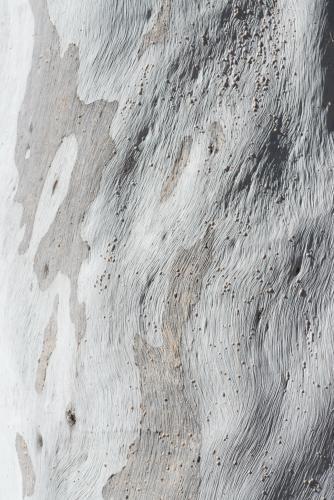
{"x": 166, "y": 223}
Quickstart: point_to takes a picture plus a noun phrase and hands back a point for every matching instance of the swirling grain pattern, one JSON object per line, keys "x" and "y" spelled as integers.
{"x": 166, "y": 249}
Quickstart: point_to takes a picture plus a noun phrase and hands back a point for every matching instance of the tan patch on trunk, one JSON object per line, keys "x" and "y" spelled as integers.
{"x": 179, "y": 165}
{"x": 159, "y": 30}
{"x": 27, "y": 470}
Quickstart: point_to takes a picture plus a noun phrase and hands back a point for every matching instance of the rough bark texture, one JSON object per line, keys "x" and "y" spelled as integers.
{"x": 166, "y": 218}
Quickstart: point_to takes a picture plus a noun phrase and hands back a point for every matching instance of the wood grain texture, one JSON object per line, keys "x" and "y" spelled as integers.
{"x": 166, "y": 263}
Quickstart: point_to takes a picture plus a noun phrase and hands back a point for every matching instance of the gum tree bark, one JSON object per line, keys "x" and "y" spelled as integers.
{"x": 166, "y": 249}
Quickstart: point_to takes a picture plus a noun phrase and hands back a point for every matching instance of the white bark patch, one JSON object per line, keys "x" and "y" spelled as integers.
{"x": 27, "y": 470}
{"x": 16, "y": 46}
{"x": 49, "y": 344}
{"x": 55, "y": 188}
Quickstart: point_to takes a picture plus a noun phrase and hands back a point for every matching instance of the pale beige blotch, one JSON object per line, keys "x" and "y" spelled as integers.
{"x": 49, "y": 345}
{"x": 26, "y": 466}
{"x": 160, "y": 28}
{"x": 178, "y": 167}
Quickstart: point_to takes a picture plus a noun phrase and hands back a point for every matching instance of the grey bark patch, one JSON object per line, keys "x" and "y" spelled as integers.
{"x": 52, "y": 110}
{"x": 163, "y": 462}
{"x": 26, "y": 466}
{"x": 178, "y": 167}
{"x": 216, "y": 138}
{"x": 49, "y": 344}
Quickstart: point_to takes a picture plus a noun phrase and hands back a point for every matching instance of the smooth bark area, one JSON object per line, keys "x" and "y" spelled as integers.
{"x": 166, "y": 223}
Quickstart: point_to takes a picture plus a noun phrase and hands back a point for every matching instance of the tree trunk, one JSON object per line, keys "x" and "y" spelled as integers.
{"x": 166, "y": 249}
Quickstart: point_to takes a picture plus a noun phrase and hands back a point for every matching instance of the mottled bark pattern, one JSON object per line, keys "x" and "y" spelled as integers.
{"x": 166, "y": 219}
